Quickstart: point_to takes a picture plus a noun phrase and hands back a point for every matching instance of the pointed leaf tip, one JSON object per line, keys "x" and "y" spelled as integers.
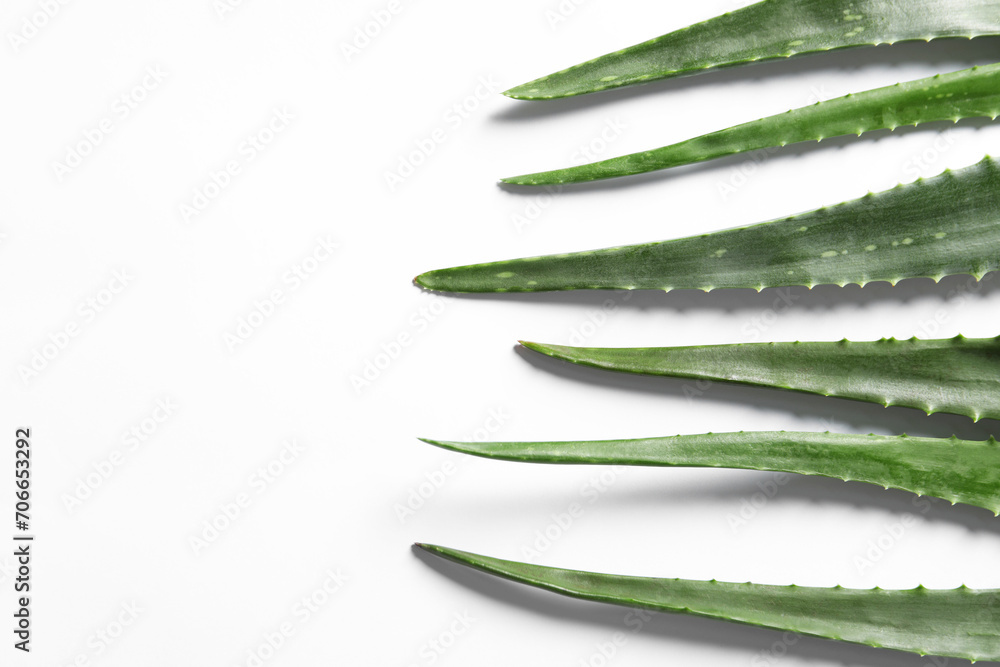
{"x": 553, "y": 351}
{"x": 445, "y": 444}
{"x": 433, "y": 281}
{"x": 422, "y": 280}
{"x": 448, "y": 553}
{"x": 430, "y": 548}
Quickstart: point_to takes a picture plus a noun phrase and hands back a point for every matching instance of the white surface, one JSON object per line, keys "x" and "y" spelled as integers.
{"x": 335, "y": 506}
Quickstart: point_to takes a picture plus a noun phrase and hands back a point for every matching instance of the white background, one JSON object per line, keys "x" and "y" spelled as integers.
{"x": 335, "y": 506}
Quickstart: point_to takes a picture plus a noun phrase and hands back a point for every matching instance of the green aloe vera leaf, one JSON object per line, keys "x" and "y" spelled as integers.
{"x": 766, "y": 31}
{"x": 969, "y": 93}
{"x": 946, "y": 225}
{"x": 960, "y": 623}
{"x": 960, "y": 471}
{"x": 957, "y": 376}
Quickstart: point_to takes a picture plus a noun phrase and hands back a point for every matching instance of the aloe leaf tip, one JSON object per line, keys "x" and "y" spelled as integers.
{"x": 440, "y": 552}
{"x": 533, "y": 91}
{"x": 427, "y": 281}
{"x": 443, "y": 444}
{"x": 544, "y": 348}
